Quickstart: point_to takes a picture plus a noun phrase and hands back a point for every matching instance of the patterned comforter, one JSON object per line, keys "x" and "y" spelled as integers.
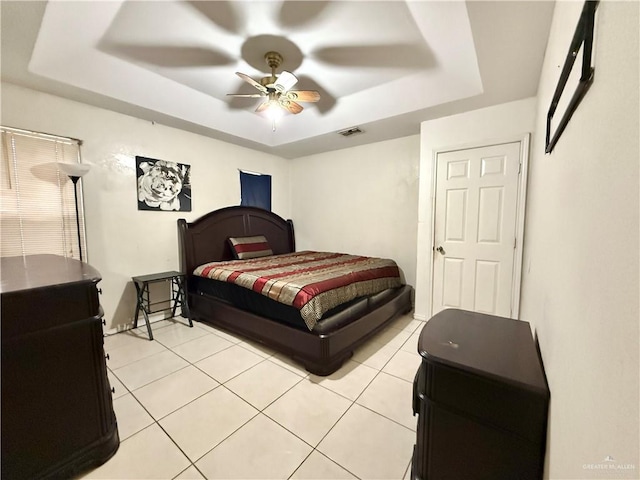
{"x": 312, "y": 282}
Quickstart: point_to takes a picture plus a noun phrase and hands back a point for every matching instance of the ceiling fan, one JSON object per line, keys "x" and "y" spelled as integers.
{"x": 277, "y": 91}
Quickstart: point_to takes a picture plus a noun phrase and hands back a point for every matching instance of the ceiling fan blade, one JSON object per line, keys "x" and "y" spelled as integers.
{"x": 251, "y": 81}
{"x": 303, "y": 95}
{"x": 247, "y": 95}
{"x": 262, "y": 107}
{"x": 293, "y": 107}
{"x": 327, "y": 100}
{"x": 285, "y": 81}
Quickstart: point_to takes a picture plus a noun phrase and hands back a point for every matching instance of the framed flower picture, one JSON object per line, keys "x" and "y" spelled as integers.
{"x": 163, "y": 186}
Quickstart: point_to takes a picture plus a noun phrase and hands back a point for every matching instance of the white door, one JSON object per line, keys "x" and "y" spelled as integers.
{"x": 475, "y": 229}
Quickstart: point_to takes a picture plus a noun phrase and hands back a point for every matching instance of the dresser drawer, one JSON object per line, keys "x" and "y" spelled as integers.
{"x": 42, "y": 309}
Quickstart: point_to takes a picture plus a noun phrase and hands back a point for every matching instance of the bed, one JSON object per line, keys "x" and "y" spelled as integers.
{"x": 322, "y": 349}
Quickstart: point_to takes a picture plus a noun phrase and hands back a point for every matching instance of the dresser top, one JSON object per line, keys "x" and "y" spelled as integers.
{"x": 483, "y": 345}
{"x": 31, "y": 272}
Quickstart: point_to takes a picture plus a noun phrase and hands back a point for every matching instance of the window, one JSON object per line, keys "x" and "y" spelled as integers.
{"x": 255, "y": 190}
{"x": 38, "y": 213}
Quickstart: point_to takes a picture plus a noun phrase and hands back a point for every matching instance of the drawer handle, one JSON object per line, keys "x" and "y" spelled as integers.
{"x": 104, "y": 322}
{"x": 100, "y": 291}
{"x": 113, "y": 389}
{"x": 107, "y": 357}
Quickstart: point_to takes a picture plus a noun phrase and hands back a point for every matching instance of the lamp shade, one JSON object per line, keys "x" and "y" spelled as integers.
{"x": 74, "y": 169}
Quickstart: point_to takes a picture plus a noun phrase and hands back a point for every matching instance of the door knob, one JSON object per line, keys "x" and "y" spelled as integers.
{"x": 440, "y": 249}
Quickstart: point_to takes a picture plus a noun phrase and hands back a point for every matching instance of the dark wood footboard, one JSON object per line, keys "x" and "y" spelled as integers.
{"x": 320, "y": 354}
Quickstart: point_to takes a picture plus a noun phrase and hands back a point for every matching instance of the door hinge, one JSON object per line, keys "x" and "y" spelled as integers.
{"x": 519, "y": 168}
{"x": 515, "y": 243}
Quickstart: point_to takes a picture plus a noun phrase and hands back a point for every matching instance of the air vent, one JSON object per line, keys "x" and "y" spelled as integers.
{"x": 350, "y": 131}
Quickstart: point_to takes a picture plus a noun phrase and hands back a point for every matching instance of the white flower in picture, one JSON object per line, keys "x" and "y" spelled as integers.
{"x": 163, "y": 185}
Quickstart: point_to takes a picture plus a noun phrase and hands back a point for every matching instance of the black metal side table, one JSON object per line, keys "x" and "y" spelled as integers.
{"x": 178, "y": 297}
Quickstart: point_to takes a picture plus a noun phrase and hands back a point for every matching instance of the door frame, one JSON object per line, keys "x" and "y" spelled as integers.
{"x": 516, "y": 279}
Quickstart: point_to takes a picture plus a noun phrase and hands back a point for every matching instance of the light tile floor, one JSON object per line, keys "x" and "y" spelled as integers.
{"x": 201, "y": 403}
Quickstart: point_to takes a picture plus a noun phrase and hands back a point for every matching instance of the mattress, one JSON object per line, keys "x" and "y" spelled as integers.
{"x": 312, "y": 282}
{"x": 258, "y": 304}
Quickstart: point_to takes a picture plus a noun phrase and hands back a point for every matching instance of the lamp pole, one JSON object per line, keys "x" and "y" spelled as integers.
{"x": 75, "y": 179}
{"x": 74, "y": 171}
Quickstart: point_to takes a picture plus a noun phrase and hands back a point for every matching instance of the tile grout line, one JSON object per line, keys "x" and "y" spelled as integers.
{"x": 231, "y": 434}
{"x": 353, "y": 402}
{"x": 220, "y": 384}
{"x": 325, "y": 456}
{"x": 156, "y": 379}
{"x": 260, "y": 411}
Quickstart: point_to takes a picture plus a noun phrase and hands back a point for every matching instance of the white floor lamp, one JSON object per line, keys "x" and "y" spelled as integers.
{"x": 74, "y": 172}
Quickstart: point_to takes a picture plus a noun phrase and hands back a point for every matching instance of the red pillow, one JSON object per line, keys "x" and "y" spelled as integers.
{"x": 250, "y": 247}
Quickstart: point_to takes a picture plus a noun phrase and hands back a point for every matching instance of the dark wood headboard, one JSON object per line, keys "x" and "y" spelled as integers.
{"x": 205, "y": 239}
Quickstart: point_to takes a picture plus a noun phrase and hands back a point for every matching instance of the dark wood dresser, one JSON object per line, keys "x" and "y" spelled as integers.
{"x": 481, "y": 398}
{"x": 57, "y": 411}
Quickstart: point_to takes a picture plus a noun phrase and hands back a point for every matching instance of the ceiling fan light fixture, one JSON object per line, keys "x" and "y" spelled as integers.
{"x": 286, "y": 80}
{"x": 274, "y": 111}
{"x": 281, "y": 99}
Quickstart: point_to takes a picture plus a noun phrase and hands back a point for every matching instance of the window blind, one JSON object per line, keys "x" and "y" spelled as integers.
{"x": 37, "y": 214}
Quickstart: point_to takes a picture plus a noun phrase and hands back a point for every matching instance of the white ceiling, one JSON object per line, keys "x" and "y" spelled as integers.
{"x": 384, "y": 66}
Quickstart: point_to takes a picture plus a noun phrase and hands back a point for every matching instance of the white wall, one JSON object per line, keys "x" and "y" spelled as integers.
{"x": 580, "y": 281}
{"x": 360, "y": 200}
{"x": 509, "y": 121}
{"x": 122, "y": 241}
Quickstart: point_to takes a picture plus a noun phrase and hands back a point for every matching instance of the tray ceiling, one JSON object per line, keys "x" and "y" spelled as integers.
{"x": 384, "y": 66}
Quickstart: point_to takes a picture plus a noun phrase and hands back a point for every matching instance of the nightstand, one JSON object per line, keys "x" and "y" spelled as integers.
{"x": 144, "y": 304}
